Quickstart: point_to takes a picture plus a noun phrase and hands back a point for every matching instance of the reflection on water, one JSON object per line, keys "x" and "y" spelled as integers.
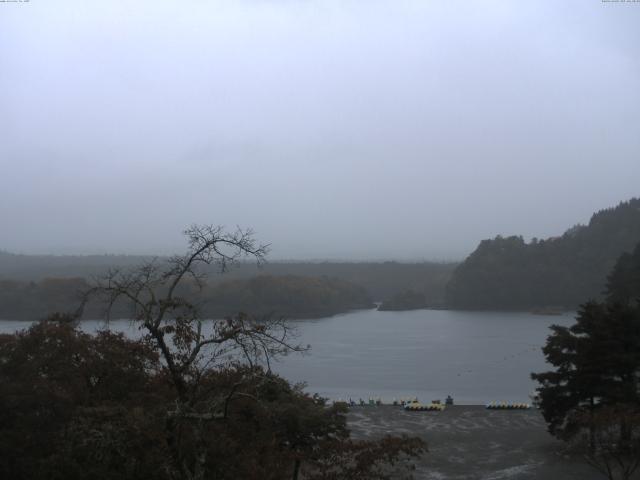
{"x": 476, "y": 357}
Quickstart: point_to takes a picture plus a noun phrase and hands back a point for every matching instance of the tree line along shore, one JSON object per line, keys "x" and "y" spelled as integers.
{"x": 172, "y": 405}
{"x": 504, "y": 273}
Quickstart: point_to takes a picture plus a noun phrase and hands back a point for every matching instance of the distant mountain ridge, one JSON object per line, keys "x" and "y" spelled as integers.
{"x": 565, "y": 271}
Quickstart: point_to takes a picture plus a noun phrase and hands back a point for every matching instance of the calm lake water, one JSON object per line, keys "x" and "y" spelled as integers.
{"x": 476, "y": 357}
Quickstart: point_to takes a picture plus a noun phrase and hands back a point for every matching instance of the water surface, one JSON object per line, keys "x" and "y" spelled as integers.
{"x": 476, "y": 357}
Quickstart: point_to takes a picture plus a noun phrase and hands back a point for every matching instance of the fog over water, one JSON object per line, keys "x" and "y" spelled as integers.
{"x": 336, "y": 129}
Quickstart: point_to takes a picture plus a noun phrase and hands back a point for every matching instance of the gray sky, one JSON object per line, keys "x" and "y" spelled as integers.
{"x": 335, "y": 129}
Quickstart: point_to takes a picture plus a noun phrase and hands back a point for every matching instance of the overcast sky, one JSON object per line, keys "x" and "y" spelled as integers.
{"x": 343, "y": 129}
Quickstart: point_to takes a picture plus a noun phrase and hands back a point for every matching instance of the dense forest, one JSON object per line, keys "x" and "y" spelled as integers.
{"x": 20, "y": 300}
{"x": 503, "y": 273}
{"x": 287, "y": 296}
{"x": 33, "y": 285}
{"x": 406, "y": 300}
{"x": 181, "y": 402}
{"x": 380, "y": 279}
{"x": 509, "y": 273}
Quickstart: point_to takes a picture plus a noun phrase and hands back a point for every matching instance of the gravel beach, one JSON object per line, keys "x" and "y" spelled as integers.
{"x": 471, "y": 442}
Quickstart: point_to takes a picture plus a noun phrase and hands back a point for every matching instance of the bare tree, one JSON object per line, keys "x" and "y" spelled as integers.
{"x": 191, "y": 347}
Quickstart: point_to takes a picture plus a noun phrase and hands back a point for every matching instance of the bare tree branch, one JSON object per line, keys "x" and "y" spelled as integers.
{"x": 173, "y": 324}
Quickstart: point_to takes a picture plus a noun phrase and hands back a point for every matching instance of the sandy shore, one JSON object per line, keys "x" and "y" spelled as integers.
{"x": 470, "y": 442}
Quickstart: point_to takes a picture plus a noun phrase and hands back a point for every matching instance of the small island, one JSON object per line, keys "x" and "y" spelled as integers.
{"x": 405, "y": 300}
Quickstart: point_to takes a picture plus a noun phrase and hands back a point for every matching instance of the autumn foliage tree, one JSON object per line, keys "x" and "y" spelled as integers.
{"x": 74, "y": 403}
{"x": 191, "y": 399}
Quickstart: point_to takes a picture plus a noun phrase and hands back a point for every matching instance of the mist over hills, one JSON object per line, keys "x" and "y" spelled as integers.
{"x": 380, "y": 279}
{"x": 33, "y": 286}
{"x": 564, "y": 271}
{"x": 502, "y": 273}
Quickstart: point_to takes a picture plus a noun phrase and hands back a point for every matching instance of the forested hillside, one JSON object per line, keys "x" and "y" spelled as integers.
{"x": 509, "y": 273}
{"x": 289, "y": 296}
{"x": 280, "y": 296}
{"x": 381, "y": 280}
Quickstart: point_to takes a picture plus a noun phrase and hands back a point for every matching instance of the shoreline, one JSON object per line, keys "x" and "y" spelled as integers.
{"x": 471, "y": 442}
{"x": 329, "y": 314}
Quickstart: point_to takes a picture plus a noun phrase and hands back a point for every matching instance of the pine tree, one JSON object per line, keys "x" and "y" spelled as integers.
{"x": 597, "y": 362}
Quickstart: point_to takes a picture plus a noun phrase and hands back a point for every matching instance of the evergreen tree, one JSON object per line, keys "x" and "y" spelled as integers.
{"x": 596, "y": 360}
{"x": 564, "y": 271}
{"x": 623, "y": 284}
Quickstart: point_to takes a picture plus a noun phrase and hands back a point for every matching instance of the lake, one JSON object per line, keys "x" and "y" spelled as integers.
{"x": 476, "y": 357}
